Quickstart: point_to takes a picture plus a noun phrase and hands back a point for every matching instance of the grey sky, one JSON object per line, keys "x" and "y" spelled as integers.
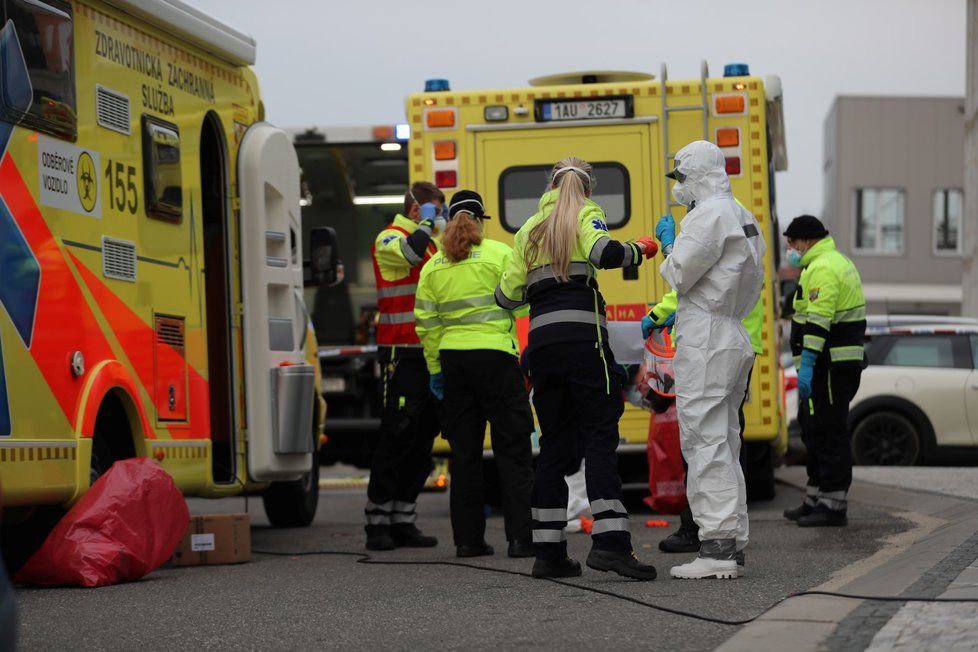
{"x": 349, "y": 62}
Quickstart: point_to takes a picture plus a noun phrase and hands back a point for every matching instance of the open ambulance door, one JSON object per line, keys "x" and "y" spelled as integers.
{"x": 279, "y": 383}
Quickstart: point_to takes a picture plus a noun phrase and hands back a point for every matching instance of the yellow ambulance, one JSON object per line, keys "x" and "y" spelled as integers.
{"x": 503, "y": 143}
{"x": 150, "y": 256}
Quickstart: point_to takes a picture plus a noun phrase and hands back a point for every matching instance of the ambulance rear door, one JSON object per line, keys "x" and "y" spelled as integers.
{"x": 279, "y": 383}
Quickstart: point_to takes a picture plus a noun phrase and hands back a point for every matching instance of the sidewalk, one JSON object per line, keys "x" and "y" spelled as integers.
{"x": 937, "y": 558}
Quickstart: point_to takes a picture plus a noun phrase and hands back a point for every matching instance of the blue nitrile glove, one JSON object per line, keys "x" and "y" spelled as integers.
{"x": 669, "y": 321}
{"x": 437, "y": 384}
{"x": 648, "y": 324}
{"x": 665, "y": 231}
{"x": 805, "y": 372}
{"x": 429, "y": 211}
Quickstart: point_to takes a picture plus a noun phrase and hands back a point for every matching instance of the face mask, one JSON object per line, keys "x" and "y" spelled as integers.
{"x": 681, "y": 195}
{"x": 794, "y": 257}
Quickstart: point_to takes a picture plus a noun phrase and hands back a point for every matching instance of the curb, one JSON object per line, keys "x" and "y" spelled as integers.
{"x": 941, "y": 525}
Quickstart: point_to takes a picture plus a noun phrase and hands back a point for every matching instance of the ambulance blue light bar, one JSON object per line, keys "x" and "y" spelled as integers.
{"x": 736, "y": 70}
{"x": 436, "y": 85}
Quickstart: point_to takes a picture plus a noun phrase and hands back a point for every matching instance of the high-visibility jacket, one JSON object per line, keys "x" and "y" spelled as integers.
{"x": 565, "y": 311}
{"x": 753, "y": 322}
{"x": 397, "y": 267}
{"x": 455, "y": 308}
{"x": 830, "y": 309}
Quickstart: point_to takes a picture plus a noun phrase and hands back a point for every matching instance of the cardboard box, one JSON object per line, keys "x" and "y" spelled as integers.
{"x": 215, "y": 539}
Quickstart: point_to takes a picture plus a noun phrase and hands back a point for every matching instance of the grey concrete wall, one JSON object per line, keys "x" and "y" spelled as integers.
{"x": 913, "y": 143}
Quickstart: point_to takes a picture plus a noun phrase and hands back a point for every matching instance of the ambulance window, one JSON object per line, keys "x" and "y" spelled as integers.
{"x": 161, "y": 160}
{"x": 520, "y": 188}
{"x": 37, "y": 79}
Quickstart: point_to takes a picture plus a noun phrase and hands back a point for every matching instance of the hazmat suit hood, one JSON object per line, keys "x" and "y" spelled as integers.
{"x": 705, "y": 170}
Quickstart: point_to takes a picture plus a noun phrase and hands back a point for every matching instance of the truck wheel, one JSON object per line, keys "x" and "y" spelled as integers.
{"x": 757, "y": 460}
{"x": 293, "y": 503}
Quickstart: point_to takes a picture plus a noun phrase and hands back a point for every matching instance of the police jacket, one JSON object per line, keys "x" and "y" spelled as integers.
{"x": 455, "y": 308}
{"x": 565, "y": 311}
{"x": 830, "y": 309}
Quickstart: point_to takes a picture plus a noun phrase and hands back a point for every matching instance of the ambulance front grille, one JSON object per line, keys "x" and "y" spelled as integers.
{"x": 112, "y": 109}
{"x": 169, "y": 330}
{"x": 118, "y": 259}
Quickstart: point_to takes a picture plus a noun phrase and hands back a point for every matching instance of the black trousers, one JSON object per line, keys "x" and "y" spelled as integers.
{"x": 487, "y": 386}
{"x": 824, "y": 421}
{"x": 578, "y": 400}
{"x": 402, "y": 458}
{"x": 686, "y": 521}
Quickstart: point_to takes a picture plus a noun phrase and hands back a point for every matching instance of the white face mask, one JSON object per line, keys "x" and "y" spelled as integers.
{"x": 681, "y": 195}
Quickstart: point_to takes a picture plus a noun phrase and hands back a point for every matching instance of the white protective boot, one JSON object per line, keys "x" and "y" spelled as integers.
{"x": 703, "y": 568}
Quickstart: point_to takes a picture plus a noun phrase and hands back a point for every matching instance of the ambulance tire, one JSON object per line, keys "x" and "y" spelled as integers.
{"x": 757, "y": 460}
{"x": 293, "y": 503}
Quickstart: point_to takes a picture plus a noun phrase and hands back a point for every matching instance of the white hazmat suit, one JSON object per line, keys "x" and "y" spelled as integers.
{"x": 716, "y": 267}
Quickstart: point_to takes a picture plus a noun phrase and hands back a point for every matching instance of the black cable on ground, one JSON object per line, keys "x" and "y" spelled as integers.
{"x": 364, "y": 558}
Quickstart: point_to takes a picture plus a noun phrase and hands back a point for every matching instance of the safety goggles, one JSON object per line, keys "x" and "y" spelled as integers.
{"x": 677, "y": 175}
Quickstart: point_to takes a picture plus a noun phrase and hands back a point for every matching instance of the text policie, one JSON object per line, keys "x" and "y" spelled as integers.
{"x": 154, "y": 98}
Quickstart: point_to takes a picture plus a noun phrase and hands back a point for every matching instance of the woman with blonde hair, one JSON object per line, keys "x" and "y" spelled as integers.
{"x": 576, "y": 387}
{"x": 471, "y": 352}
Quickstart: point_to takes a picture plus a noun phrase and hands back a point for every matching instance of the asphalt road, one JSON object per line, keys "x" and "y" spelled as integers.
{"x": 288, "y": 603}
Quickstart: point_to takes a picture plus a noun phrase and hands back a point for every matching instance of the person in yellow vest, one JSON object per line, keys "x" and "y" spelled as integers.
{"x": 409, "y": 419}
{"x": 827, "y": 332}
{"x": 471, "y": 351}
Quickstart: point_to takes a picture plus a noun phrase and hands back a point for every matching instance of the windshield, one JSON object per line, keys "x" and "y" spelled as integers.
{"x": 356, "y": 189}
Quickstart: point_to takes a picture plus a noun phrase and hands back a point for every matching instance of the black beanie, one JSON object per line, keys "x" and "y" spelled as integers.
{"x": 806, "y": 227}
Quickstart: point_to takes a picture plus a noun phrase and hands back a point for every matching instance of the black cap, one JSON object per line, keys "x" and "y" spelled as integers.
{"x": 806, "y": 227}
{"x": 468, "y": 201}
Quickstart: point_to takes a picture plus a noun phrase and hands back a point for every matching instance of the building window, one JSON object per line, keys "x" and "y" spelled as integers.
{"x": 948, "y": 209}
{"x": 879, "y": 217}
{"x": 520, "y": 188}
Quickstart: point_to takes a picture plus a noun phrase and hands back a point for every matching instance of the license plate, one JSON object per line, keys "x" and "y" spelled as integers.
{"x": 597, "y": 109}
{"x": 334, "y": 385}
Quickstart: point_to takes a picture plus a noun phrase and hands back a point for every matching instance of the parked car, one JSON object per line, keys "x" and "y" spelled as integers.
{"x": 918, "y": 398}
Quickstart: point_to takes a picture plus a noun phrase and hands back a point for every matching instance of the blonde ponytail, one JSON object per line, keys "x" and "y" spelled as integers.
{"x": 556, "y": 235}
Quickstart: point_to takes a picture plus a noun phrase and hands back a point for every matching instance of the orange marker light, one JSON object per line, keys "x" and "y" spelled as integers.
{"x": 383, "y": 132}
{"x": 445, "y": 150}
{"x": 730, "y": 104}
{"x": 728, "y": 137}
{"x": 440, "y": 118}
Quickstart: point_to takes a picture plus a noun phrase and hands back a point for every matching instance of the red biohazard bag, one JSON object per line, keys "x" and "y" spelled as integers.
{"x": 127, "y": 525}
{"x": 667, "y": 487}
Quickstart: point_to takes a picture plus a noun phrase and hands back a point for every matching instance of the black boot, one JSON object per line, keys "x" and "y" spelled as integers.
{"x": 379, "y": 537}
{"x": 625, "y": 564}
{"x": 474, "y": 550}
{"x": 802, "y": 510}
{"x": 520, "y": 548}
{"x": 565, "y": 567}
{"x": 685, "y": 539}
{"x": 822, "y": 516}
{"x": 407, "y": 535}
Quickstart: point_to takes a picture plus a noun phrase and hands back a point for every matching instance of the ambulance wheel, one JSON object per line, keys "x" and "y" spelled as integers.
{"x": 757, "y": 460}
{"x": 293, "y": 503}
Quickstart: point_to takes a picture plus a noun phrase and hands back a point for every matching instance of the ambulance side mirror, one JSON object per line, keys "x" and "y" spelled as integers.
{"x": 324, "y": 258}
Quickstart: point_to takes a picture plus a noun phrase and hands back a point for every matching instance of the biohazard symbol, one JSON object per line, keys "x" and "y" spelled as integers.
{"x": 86, "y": 183}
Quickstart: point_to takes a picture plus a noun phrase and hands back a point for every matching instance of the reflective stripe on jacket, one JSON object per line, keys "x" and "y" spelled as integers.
{"x": 456, "y": 307}
{"x": 396, "y": 272}
{"x": 830, "y": 309}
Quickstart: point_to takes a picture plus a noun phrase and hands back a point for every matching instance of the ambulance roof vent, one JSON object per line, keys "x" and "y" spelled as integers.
{"x": 591, "y": 77}
{"x": 112, "y": 109}
{"x": 118, "y": 259}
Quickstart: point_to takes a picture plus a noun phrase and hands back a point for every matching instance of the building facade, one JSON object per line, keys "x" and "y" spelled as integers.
{"x": 894, "y": 198}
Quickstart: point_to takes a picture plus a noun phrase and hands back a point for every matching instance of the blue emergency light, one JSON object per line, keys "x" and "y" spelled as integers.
{"x": 736, "y": 70}
{"x": 435, "y": 85}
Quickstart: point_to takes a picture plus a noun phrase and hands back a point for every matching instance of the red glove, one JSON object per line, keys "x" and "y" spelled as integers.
{"x": 650, "y": 245}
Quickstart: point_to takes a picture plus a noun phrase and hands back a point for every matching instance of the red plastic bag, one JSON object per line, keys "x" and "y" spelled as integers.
{"x": 667, "y": 487}
{"x": 127, "y": 525}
